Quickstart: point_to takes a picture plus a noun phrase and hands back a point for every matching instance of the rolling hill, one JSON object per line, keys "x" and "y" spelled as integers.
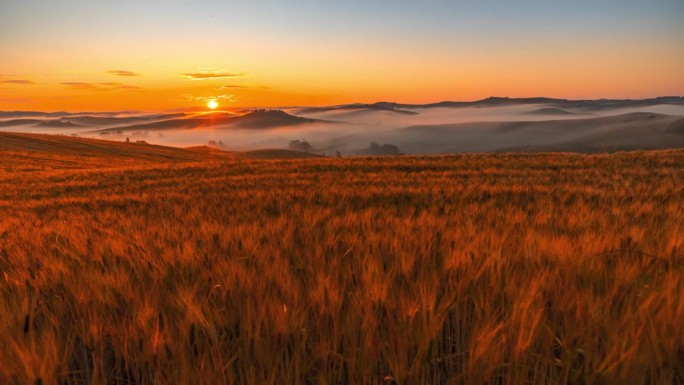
{"x": 634, "y": 131}
{"x": 496, "y": 101}
{"x": 41, "y": 151}
{"x": 256, "y": 119}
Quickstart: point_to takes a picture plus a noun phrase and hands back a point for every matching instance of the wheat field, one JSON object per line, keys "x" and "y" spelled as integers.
{"x": 462, "y": 269}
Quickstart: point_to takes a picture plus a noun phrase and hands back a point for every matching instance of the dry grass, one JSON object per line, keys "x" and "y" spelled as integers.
{"x": 478, "y": 269}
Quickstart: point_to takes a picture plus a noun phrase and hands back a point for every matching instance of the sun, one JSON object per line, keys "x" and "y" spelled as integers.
{"x": 212, "y": 104}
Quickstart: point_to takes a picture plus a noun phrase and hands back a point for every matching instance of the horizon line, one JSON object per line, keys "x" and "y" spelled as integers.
{"x": 489, "y": 98}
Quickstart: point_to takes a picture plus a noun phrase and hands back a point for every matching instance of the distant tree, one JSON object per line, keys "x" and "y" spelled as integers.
{"x": 385, "y": 149}
{"x": 299, "y": 145}
{"x": 128, "y": 140}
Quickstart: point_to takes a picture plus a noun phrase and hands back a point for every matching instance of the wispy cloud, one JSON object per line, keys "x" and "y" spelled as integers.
{"x": 17, "y": 81}
{"x": 123, "y": 73}
{"x": 211, "y": 75}
{"x": 243, "y": 86}
{"x": 83, "y": 86}
{"x": 225, "y": 97}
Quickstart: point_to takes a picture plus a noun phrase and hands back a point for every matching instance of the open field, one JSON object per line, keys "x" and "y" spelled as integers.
{"x": 143, "y": 264}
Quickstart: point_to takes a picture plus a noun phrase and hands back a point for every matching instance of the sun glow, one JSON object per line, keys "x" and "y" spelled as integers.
{"x": 212, "y": 104}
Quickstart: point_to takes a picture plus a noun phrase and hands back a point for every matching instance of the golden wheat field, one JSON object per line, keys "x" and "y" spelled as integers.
{"x": 464, "y": 269}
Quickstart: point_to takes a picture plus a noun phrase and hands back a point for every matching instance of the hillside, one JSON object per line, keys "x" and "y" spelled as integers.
{"x": 19, "y": 150}
{"x": 279, "y": 154}
{"x": 550, "y": 111}
{"x": 256, "y": 119}
{"x": 634, "y": 131}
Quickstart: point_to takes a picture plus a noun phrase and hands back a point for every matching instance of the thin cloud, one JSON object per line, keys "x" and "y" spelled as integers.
{"x": 210, "y": 75}
{"x": 123, "y": 73}
{"x": 127, "y": 87}
{"x": 225, "y": 97}
{"x": 243, "y": 86}
{"x": 110, "y": 86}
{"x": 17, "y": 81}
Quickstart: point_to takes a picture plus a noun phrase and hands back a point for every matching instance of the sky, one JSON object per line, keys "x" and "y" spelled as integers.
{"x": 112, "y": 55}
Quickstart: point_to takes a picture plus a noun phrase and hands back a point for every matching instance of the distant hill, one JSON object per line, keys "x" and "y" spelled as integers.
{"x": 380, "y": 106}
{"x": 54, "y": 123}
{"x": 676, "y": 127}
{"x": 30, "y": 114}
{"x": 634, "y": 131}
{"x": 256, "y": 119}
{"x": 271, "y": 118}
{"x": 550, "y": 111}
{"x": 94, "y": 120}
{"x": 496, "y": 101}
{"x": 57, "y": 123}
{"x": 19, "y": 122}
{"x": 61, "y": 114}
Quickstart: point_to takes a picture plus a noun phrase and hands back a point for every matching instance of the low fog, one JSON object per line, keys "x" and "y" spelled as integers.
{"x": 386, "y": 128}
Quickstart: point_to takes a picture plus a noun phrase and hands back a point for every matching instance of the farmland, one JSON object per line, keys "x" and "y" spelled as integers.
{"x": 159, "y": 266}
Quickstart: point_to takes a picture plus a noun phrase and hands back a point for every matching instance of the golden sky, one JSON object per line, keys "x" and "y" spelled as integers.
{"x": 79, "y": 55}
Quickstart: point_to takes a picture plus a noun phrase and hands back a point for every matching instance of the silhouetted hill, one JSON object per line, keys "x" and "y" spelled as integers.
{"x": 19, "y": 122}
{"x": 550, "y": 111}
{"x": 380, "y": 106}
{"x": 30, "y": 114}
{"x": 495, "y": 101}
{"x": 271, "y": 118}
{"x": 54, "y": 123}
{"x": 57, "y": 123}
{"x": 61, "y": 114}
{"x": 255, "y": 119}
{"x": 94, "y": 120}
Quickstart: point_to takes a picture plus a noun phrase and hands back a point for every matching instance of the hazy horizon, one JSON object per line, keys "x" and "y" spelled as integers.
{"x": 488, "y": 125}
{"x": 199, "y": 109}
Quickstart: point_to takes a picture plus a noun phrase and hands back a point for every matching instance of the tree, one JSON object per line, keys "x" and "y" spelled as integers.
{"x": 299, "y": 145}
{"x": 385, "y": 149}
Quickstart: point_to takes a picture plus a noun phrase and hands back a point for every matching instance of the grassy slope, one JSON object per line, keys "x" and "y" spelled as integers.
{"x": 19, "y": 150}
{"x": 39, "y": 151}
{"x": 516, "y": 269}
{"x": 279, "y": 154}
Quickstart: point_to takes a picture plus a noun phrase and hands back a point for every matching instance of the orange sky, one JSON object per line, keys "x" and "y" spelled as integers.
{"x": 76, "y": 56}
